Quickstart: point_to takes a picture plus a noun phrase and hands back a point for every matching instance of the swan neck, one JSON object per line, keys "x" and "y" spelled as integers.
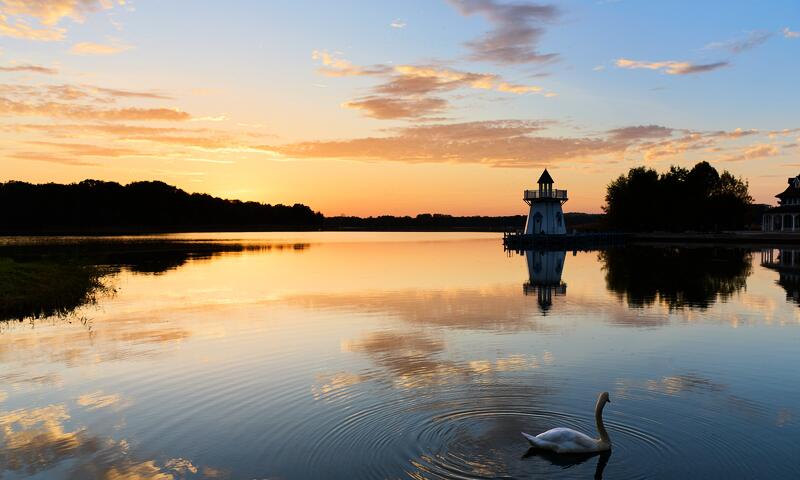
{"x": 598, "y": 417}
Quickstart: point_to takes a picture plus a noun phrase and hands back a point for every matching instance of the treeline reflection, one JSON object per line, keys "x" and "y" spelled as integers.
{"x": 39, "y": 280}
{"x": 679, "y": 277}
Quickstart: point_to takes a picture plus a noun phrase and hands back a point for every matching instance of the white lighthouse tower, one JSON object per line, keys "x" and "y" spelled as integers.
{"x": 545, "y": 216}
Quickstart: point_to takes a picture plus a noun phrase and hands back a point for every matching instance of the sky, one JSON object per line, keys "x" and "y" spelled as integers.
{"x": 368, "y": 108}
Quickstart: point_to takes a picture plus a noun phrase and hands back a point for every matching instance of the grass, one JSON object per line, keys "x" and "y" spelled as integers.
{"x": 38, "y": 288}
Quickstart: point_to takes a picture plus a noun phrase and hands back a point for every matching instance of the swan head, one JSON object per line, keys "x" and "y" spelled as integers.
{"x": 603, "y": 398}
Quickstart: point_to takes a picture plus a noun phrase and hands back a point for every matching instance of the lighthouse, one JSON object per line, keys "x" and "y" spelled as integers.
{"x": 545, "y": 216}
{"x": 544, "y": 276}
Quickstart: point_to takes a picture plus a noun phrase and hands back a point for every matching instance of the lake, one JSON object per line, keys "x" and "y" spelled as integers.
{"x": 397, "y": 355}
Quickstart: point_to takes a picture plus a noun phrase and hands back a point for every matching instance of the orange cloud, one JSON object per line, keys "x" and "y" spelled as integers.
{"x": 91, "y": 48}
{"x": 50, "y": 12}
{"x": 753, "y": 152}
{"x": 86, "y": 112}
{"x": 381, "y": 107}
{"x": 407, "y": 89}
{"x": 508, "y": 143}
{"x": 29, "y": 68}
{"x": 22, "y": 30}
{"x": 671, "y": 67}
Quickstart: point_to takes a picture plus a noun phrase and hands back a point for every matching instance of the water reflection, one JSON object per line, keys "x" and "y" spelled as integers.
{"x": 679, "y": 277}
{"x": 46, "y": 280}
{"x": 544, "y": 276}
{"x": 787, "y": 263}
{"x": 570, "y": 460}
{"x": 398, "y": 358}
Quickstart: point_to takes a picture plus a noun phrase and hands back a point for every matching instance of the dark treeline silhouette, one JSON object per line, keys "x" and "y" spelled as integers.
{"x": 677, "y": 277}
{"x": 700, "y": 199}
{"x": 97, "y": 205}
{"x": 438, "y": 221}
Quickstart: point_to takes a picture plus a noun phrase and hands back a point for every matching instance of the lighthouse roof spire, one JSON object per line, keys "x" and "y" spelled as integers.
{"x": 545, "y": 178}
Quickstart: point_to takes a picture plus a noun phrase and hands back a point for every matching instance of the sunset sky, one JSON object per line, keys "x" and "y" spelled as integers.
{"x": 367, "y": 107}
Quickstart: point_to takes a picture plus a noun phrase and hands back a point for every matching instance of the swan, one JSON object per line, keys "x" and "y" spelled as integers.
{"x": 567, "y": 440}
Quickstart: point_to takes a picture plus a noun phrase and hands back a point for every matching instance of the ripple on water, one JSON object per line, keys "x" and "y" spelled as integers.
{"x": 469, "y": 436}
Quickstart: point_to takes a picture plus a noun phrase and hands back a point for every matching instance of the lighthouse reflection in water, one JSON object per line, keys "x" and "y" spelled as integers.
{"x": 544, "y": 276}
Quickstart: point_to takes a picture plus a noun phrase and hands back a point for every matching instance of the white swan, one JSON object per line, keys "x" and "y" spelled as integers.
{"x": 567, "y": 440}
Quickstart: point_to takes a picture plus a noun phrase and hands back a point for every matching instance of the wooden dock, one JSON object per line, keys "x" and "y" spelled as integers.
{"x": 571, "y": 241}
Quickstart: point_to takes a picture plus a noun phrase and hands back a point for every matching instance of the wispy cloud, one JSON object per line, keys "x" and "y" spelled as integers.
{"x": 507, "y": 143}
{"x": 518, "y": 28}
{"x": 15, "y": 16}
{"x": 640, "y": 132}
{"x": 753, "y": 40}
{"x": 388, "y": 107}
{"x": 91, "y": 48}
{"x": 397, "y": 23}
{"x": 51, "y": 12}
{"x": 671, "y": 67}
{"x": 21, "y": 29}
{"x": 790, "y": 34}
{"x": 52, "y": 109}
{"x": 30, "y": 69}
{"x": 408, "y": 91}
{"x": 753, "y": 152}
{"x": 335, "y": 66}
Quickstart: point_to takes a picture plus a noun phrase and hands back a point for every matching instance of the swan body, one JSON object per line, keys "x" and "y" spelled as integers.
{"x": 567, "y": 440}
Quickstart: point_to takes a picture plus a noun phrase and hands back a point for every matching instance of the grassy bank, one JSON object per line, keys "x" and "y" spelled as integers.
{"x": 35, "y": 289}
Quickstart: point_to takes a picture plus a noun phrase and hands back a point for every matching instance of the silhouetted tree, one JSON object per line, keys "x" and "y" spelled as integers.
{"x": 677, "y": 200}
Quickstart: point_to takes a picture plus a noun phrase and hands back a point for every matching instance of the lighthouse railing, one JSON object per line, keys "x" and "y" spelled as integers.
{"x": 535, "y": 194}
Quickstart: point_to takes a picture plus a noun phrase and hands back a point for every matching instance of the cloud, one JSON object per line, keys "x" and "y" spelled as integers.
{"x": 91, "y": 48}
{"x": 753, "y": 40}
{"x": 407, "y": 90}
{"x": 48, "y": 13}
{"x": 51, "y": 12}
{"x": 80, "y": 102}
{"x": 397, "y": 23}
{"x": 30, "y": 68}
{"x": 790, "y": 34}
{"x": 51, "y": 158}
{"x": 11, "y": 108}
{"x": 22, "y": 30}
{"x": 671, "y": 67}
{"x": 333, "y": 66}
{"x": 516, "y": 30}
{"x": 387, "y": 107}
{"x": 640, "y": 132}
{"x": 754, "y": 152}
{"x": 504, "y": 143}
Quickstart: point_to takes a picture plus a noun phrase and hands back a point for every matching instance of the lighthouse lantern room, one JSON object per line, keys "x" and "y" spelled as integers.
{"x": 546, "y": 216}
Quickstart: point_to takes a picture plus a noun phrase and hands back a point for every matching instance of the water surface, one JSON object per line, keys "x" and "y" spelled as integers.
{"x": 400, "y": 355}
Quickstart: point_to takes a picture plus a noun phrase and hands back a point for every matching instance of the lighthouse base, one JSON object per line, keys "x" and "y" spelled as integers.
{"x": 545, "y": 218}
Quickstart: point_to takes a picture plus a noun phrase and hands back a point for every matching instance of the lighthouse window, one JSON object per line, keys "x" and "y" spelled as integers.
{"x": 559, "y": 218}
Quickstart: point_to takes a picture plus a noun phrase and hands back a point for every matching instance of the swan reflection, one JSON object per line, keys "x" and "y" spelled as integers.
{"x": 570, "y": 460}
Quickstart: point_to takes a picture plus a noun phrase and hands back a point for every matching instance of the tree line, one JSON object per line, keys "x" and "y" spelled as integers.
{"x": 98, "y": 205}
{"x": 700, "y": 199}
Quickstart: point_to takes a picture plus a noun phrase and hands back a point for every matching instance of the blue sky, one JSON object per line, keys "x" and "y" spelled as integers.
{"x": 426, "y": 99}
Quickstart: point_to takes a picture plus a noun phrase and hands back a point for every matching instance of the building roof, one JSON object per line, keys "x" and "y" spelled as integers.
{"x": 784, "y": 209}
{"x": 545, "y": 178}
{"x": 793, "y": 190}
{"x": 790, "y": 192}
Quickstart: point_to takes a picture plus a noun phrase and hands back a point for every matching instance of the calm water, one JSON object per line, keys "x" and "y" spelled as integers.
{"x": 386, "y": 355}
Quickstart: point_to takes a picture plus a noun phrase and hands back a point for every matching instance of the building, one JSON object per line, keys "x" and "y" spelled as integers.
{"x": 544, "y": 276}
{"x": 545, "y": 216}
{"x": 786, "y": 216}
